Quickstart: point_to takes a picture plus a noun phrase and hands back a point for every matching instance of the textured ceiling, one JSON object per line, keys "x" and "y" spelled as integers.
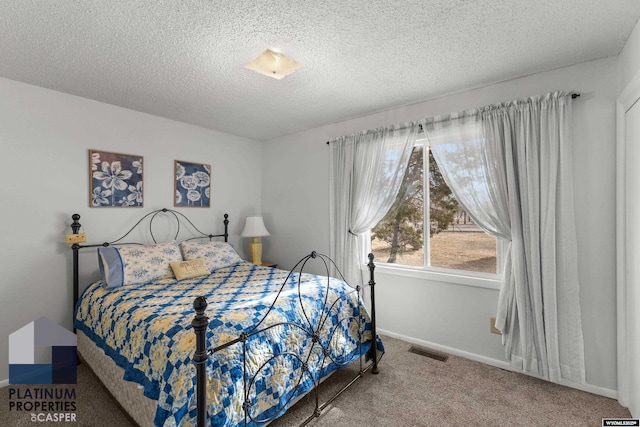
{"x": 183, "y": 59}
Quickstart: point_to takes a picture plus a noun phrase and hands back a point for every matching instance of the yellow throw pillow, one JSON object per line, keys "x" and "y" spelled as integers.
{"x": 189, "y": 269}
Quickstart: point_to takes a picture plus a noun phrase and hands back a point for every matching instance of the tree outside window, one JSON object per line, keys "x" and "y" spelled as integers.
{"x": 453, "y": 240}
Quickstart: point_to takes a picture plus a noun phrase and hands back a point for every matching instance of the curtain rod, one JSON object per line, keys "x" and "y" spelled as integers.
{"x": 573, "y": 96}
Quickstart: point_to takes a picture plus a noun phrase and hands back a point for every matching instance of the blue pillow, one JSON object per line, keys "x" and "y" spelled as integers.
{"x": 111, "y": 267}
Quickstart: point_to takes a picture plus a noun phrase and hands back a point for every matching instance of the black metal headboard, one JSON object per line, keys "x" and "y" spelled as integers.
{"x": 179, "y": 219}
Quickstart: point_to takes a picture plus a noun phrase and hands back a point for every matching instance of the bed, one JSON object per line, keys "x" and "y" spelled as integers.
{"x": 236, "y": 345}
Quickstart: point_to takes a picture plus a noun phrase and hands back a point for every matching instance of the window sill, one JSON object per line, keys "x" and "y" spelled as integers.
{"x": 478, "y": 280}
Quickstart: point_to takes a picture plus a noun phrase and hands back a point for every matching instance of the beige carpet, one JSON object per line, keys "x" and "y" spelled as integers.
{"x": 410, "y": 390}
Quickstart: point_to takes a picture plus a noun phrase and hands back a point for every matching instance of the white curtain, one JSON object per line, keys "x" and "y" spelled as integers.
{"x": 471, "y": 169}
{"x": 510, "y": 167}
{"x": 366, "y": 170}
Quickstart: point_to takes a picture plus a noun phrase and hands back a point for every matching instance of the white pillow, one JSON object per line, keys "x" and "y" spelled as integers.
{"x": 216, "y": 254}
{"x": 137, "y": 263}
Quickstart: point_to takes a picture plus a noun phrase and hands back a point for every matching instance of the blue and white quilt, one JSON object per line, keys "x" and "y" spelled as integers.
{"x": 146, "y": 329}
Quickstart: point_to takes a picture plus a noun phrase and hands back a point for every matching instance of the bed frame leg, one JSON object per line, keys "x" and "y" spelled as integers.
{"x": 374, "y": 334}
{"x": 200, "y": 324}
{"x": 75, "y": 228}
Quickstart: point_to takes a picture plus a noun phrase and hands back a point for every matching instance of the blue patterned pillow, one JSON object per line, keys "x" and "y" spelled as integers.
{"x": 215, "y": 254}
{"x": 128, "y": 265}
{"x": 111, "y": 268}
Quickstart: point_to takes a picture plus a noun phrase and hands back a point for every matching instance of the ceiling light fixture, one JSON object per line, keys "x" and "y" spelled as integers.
{"x": 273, "y": 64}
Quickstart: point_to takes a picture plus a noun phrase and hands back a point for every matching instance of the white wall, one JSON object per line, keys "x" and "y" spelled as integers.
{"x": 45, "y": 137}
{"x": 295, "y": 205}
{"x": 629, "y": 58}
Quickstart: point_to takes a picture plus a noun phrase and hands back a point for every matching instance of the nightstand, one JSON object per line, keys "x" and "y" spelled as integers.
{"x": 268, "y": 264}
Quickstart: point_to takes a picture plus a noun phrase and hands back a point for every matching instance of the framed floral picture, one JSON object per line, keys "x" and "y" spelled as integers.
{"x": 116, "y": 179}
{"x": 192, "y": 184}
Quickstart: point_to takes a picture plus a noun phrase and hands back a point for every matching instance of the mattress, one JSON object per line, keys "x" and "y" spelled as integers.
{"x": 128, "y": 394}
{"x": 145, "y": 330}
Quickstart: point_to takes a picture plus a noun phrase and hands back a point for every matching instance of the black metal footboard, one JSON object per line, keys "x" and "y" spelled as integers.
{"x": 316, "y": 334}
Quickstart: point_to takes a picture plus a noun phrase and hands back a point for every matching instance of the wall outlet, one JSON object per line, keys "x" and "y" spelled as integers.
{"x": 492, "y": 326}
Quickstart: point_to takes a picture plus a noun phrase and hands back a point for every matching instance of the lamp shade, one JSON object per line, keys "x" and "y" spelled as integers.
{"x": 254, "y": 227}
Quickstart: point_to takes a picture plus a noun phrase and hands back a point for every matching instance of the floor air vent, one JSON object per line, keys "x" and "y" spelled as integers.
{"x": 428, "y": 353}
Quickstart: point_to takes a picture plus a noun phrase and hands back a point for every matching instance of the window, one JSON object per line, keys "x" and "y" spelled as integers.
{"x": 452, "y": 241}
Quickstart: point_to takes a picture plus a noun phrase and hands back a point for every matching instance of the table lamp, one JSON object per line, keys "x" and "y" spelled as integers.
{"x": 254, "y": 227}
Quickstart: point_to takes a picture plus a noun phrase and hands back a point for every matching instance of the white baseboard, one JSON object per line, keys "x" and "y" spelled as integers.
{"x": 590, "y": 388}
{"x": 4, "y": 383}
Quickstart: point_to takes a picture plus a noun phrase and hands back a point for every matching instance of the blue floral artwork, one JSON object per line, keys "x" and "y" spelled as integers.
{"x": 192, "y": 184}
{"x": 116, "y": 179}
